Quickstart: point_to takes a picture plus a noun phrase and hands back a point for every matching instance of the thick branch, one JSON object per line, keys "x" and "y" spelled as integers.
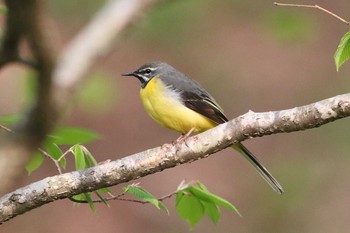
{"x": 157, "y": 159}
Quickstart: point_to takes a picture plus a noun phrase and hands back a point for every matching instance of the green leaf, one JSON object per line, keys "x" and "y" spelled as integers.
{"x": 105, "y": 190}
{"x": 79, "y": 157}
{"x": 85, "y": 197}
{"x": 71, "y": 136}
{"x": 101, "y": 198}
{"x": 55, "y": 152}
{"x": 79, "y": 197}
{"x": 197, "y": 195}
{"x": 87, "y": 161}
{"x": 189, "y": 207}
{"x": 212, "y": 211}
{"x": 343, "y": 51}
{"x": 89, "y": 200}
{"x": 83, "y": 158}
{"x": 35, "y": 162}
{"x": 9, "y": 119}
{"x": 142, "y": 194}
{"x": 88, "y": 155}
{"x": 207, "y": 196}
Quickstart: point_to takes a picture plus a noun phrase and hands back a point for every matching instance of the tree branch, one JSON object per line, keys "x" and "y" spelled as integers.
{"x": 167, "y": 156}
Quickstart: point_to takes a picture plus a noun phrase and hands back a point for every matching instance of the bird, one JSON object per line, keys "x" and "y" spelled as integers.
{"x": 179, "y": 103}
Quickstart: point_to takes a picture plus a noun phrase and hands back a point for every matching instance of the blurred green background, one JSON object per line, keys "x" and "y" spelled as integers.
{"x": 250, "y": 55}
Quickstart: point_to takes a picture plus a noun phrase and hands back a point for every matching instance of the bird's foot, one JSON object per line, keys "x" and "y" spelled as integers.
{"x": 183, "y": 137}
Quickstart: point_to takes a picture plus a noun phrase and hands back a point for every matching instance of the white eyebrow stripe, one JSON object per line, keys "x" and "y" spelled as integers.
{"x": 149, "y": 68}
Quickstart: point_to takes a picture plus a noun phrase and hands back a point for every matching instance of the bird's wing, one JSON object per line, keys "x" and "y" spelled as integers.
{"x": 195, "y": 97}
{"x": 205, "y": 105}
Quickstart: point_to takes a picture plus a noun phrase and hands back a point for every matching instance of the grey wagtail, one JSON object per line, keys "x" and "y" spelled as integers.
{"x": 181, "y": 104}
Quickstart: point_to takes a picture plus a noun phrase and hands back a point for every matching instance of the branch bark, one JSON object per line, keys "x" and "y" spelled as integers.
{"x": 167, "y": 156}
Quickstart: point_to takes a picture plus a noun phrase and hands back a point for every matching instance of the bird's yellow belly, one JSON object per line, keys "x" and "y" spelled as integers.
{"x": 165, "y": 107}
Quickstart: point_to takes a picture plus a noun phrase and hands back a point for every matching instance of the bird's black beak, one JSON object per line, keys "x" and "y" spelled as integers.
{"x": 129, "y": 74}
{"x": 136, "y": 75}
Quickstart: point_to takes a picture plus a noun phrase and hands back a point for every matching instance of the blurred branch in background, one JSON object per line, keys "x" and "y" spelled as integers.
{"x": 53, "y": 96}
{"x": 23, "y": 24}
{"x": 169, "y": 155}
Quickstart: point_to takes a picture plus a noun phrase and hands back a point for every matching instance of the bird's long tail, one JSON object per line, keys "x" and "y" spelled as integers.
{"x": 259, "y": 167}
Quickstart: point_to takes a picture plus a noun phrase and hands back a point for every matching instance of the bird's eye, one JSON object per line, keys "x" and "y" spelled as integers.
{"x": 148, "y": 71}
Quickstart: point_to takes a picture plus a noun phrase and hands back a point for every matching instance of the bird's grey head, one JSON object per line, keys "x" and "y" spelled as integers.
{"x": 148, "y": 71}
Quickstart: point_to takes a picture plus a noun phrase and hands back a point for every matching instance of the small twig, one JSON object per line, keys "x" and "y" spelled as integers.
{"x": 145, "y": 202}
{"x": 119, "y": 197}
{"x": 64, "y": 154}
{"x": 315, "y": 7}
{"x": 167, "y": 196}
{"x": 112, "y": 197}
{"x": 50, "y": 157}
{"x": 6, "y": 129}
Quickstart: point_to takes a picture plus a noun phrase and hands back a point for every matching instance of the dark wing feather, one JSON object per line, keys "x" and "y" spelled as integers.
{"x": 204, "y": 105}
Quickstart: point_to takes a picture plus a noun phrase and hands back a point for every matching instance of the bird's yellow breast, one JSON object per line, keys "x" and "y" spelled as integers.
{"x": 166, "y": 107}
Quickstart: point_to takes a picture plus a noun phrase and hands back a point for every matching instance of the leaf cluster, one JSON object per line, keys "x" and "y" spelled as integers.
{"x": 193, "y": 202}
